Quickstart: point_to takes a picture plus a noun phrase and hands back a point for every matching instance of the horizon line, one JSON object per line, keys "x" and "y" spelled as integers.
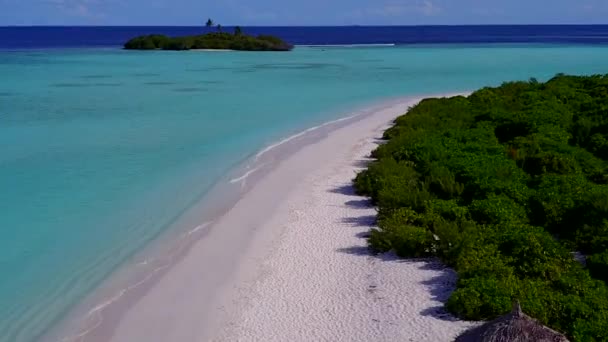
{"x": 300, "y": 26}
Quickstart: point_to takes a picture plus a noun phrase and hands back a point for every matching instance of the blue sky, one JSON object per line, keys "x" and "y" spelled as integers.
{"x": 301, "y": 12}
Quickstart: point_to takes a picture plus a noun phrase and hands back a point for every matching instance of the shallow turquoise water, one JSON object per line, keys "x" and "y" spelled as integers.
{"x": 101, "y": 150}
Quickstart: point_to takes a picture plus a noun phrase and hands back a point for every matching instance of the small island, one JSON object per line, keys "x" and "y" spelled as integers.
{"x": 210, "y": 41}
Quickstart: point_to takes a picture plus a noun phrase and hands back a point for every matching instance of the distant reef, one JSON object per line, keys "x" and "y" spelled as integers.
{"x": 212, "y": 41}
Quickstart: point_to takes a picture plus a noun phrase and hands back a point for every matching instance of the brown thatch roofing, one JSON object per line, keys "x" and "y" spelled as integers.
{"x": 513, "y": 327}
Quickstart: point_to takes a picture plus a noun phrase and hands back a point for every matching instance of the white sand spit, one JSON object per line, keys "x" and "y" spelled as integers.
{"x": 289, "y": 262}
{"x": 322, "y": 284}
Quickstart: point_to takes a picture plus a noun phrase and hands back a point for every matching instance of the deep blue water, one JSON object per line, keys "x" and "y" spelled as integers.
{"x": 57, "y": 37}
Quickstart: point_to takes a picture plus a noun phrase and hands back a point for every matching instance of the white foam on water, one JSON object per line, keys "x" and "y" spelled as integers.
{"x": 297, "y": 135}
{"x": 245, "y": 175}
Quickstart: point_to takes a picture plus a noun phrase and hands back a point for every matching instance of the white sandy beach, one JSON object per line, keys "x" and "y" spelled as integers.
{"x": 289, "y": 262}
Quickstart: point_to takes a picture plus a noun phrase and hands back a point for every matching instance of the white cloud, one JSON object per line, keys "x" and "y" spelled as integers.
{"x": 90, "y": 9}
{"x": 593, "y": 6}
{"x": 428, "y": 8}
{"x": 397, "y": 8}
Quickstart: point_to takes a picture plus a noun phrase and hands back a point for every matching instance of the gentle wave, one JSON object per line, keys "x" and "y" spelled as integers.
{"x": 297, "y": 135}
{"x": 246, "y": 174}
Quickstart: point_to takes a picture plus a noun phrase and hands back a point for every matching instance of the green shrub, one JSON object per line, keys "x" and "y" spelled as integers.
{"x": 446, "y": 209}
{"x": 591, "y": 238}
{"x": 496, "y": 210}
{"x": 502, "y": 186}
{"x": 482, "y": 298}
{"x": 411, "y": 241}
{"x": 598, "y": 265}
{"x": 391, "y": 178}
{"x": 532, "y": 252}
{"x": 399, "y": 233}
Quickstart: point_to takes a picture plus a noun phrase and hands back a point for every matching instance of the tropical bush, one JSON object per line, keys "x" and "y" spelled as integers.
{"x": 213, "y": 40}
{"x": 503, "y": 185}
{"x": 598, "y": 265}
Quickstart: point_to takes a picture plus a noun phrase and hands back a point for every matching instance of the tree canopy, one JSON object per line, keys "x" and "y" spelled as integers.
{"x": 504, "y": 185}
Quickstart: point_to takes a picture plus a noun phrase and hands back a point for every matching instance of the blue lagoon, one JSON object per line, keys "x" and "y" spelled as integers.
{"x": 104, "y": 150}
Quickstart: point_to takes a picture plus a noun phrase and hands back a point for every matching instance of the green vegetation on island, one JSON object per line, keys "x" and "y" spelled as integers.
{"x": 504, "y": 186}
{"x": 214, "y": 40}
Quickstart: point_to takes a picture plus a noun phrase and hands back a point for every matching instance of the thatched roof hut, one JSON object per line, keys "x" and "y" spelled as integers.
{"x": 513, "y": 327}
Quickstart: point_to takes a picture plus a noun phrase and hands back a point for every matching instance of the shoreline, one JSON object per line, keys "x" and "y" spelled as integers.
{"x": 200, "y": 290}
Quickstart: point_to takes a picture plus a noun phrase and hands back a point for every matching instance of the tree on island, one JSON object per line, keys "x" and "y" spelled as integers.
{"x": 211, "y": 40}
{"x": 209, "y": 23}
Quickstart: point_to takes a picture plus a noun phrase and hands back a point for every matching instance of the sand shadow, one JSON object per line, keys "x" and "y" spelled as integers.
{"x": 362, "y": 163}
{"x": 361, "y": 221}
{"x": 347, "y": 190}
{"x": 440, "y": 287}
{"x": 366, "y": 251}
{"x": 363, "y": 235}
{"x": 356, "y": 250}
{"x": 359, "y": 204}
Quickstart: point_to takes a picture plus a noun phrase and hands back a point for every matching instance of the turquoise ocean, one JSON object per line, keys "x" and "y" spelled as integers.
{"x": 102, "y": 150}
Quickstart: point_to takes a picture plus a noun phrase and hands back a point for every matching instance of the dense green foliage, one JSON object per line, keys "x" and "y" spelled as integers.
{"x": 214, "y": 40}
{"x": 503, "y": 186}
